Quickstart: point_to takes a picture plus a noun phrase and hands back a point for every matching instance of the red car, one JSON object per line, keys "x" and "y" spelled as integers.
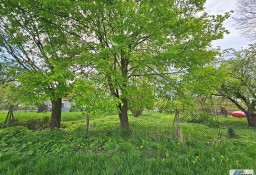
{"x": 238, "y": 114}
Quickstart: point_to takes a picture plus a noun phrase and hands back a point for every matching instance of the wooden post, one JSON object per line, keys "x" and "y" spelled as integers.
{"x": 10, "y": 117}
{"x": 87, "y": 125}
{"x": 176, "y": 133}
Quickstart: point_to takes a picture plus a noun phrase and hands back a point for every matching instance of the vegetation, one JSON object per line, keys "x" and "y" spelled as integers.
{"x": 36, "y": 54}
{"x": 117, "y": 40}
{"x": 146, "y": 149}
{"x": 112, "y": 56}
{"x": 239, "y": 83}
{"x": 8, "y": 95}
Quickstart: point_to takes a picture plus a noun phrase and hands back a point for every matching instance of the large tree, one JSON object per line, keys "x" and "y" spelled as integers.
{"x": 127, "y": 38}
{"x": 36, "y": 50}
{"x": 240, "y": 83}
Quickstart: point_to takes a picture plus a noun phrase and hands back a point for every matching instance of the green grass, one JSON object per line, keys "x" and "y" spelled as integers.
{"x": 22, "y": 116}
{"x": 144, "y": 149}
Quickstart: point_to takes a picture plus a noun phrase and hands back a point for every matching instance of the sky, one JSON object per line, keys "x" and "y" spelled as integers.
{"x": 234, "y": 38}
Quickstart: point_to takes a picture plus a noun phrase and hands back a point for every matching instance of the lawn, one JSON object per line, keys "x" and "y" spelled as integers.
{"x": 143, "y": 149}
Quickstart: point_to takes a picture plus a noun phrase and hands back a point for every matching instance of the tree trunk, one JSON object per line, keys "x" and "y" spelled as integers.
{"x": 123, "y": 114}
{"x": 56, "y": 113}
{"x": 251, "y": 119}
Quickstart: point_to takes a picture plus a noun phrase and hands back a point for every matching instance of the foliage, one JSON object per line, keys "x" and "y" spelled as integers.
{"x": 118, "y": 39}
{"x": 8, "y": 95}
{"x": 164, "y": 106}
{"x": 36, "y": 51}
{"x": 212, "y": 102}
{"x": 179, "y": 101}
{"x": 194, "y": 116}
{"x": 239, "y": 85}
{"x": 141, "y": 96}
{"x": 123, "y": 39}
{"x": 92, "y": 98}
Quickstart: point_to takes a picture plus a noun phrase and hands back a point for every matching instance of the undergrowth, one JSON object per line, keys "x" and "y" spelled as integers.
{"x": 144, "y": 149}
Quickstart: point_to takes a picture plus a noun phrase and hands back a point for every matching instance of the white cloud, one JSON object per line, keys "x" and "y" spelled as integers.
{"x": 220, "y": 6}
{"x": 234, "y": 38}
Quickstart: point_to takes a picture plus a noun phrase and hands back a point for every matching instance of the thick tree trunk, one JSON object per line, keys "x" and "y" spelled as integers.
{"x": 251, "y": 119}
{"x": 123, "y": 114}
{"x": 56, "y": 113}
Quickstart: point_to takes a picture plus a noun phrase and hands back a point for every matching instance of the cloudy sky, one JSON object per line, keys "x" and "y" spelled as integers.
{"x": 234, "y": 38}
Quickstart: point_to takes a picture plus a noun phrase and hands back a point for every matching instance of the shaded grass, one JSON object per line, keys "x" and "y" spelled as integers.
{"x": 146, "y": 149}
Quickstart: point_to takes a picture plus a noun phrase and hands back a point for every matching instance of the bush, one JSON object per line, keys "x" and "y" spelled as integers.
{"x": 199, "y": 117}
{"x": 231, "y": 133}
{"x": 37, "y": 124}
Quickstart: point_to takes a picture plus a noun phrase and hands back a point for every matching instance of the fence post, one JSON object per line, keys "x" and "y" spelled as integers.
{"x": 10, "y": 117}
{"x": 176, "y": 133}
{"x": 87, "y": 125}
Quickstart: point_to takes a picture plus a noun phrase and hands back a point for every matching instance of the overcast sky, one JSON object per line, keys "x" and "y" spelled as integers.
{"x": 234, "y": 38}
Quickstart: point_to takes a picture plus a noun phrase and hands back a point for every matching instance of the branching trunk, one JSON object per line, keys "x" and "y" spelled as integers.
{"x": 123, "y": 114}
{"x": 56, "y": 113}
{"x": 250, "y": 112}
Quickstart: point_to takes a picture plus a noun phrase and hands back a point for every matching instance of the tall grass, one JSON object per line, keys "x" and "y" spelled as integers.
{"x": 145, "y": 149}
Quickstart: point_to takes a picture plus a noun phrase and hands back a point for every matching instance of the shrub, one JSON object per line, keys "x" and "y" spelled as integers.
{"x": 197, "y": 117}
{"x": 231, "y": 133}
{"x": 37, "y": 124}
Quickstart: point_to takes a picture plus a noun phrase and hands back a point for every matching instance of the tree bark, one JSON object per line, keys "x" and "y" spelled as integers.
{"x": 56, "y": 113}
{"x": 251, "y": 119}
{"x": 123, "y": 114}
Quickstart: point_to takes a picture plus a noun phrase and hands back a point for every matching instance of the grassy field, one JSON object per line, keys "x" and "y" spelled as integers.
{"x": 144, "y": 149}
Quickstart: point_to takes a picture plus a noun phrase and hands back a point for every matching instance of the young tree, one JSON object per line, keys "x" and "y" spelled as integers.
{"x": 124, "y": 38}
{"x": 239, "y": 85}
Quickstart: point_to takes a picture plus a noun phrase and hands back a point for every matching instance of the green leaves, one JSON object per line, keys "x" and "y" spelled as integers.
{"x": 58, "y": 42}
{"x": 141, "y": 95}
{"x": 239, "y": 83}
{"x": 93, "y": 98}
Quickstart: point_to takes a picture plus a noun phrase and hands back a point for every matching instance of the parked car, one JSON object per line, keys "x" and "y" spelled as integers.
{"x": 238, "y": 114}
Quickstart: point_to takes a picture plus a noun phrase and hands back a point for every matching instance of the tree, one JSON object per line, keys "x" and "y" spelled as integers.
{"x": 130, "y": 38}
{"x": 246, "y": 18}
{"x": 36, "y": 51}
{"x": 240, "y": 83}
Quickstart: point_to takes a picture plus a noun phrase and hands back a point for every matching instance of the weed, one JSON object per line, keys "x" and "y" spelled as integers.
{"x": 231, "y": 132}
